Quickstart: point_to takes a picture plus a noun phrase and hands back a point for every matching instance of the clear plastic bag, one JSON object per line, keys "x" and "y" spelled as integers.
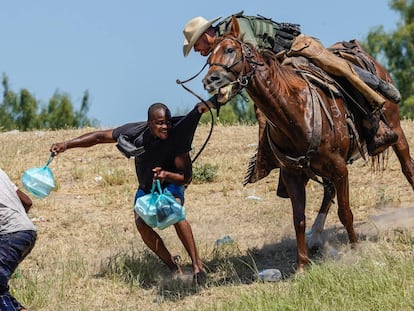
{"x": 159, "y": 209}
{"x": 39, "y": 181}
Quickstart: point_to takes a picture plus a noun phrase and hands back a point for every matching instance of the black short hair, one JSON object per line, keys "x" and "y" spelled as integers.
{"x": 157, "y": 106}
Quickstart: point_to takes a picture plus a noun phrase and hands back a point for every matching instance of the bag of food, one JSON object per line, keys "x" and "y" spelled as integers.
{"x": 159, "y": 208}
{"x": 39, "y": 180}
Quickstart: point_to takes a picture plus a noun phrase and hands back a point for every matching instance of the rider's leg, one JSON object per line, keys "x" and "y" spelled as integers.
{"x": 332, "y": 64}
{"x": 381, "y": 135}
{"x": 385, "y": 88}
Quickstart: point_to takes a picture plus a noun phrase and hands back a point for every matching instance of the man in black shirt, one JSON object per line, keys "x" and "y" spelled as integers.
{"x": 161, "y": 149}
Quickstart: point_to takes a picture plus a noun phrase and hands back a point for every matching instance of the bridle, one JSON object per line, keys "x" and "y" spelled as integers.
{"x": 246, "y": 58}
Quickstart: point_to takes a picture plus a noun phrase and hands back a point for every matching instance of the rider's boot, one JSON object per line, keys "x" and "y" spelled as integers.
{"x": 389, "y": 91}
{"x": 378, "y": 135}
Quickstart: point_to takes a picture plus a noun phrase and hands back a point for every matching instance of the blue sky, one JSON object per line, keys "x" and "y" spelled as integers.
{"x": 128, "y": 53}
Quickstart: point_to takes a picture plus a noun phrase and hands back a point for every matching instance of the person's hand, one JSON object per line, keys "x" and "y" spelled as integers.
{"x": 58, "y": 148}
{"x": 202, "y": 107}
{"x": 159, "y": 174}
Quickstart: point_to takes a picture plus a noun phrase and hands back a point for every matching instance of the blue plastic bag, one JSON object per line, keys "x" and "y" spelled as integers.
{"x": 159, "y": 209}
{"x": 39, "y": 180}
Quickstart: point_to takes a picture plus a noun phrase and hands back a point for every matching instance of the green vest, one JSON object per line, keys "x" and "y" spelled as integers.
{"x": 261, "y": 32}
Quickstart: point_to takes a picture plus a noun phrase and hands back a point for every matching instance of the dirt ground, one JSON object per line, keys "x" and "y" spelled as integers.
{"x": 88, "y": 219}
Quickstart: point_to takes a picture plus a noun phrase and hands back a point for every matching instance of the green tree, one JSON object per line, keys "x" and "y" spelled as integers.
{"x": 7, "y": 105}
{"x": 20, "y": 111}
{"x": 25, "y": 116}
{"x": 395, "y": 50}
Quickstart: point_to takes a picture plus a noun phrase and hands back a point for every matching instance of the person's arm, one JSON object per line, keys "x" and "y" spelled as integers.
{"x": 84, "y": 141}
{"x": 184, "y": 171}
{"x": 25, "y": 199}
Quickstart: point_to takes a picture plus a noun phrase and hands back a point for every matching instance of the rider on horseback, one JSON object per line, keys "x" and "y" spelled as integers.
{"x": 285, "y": 39}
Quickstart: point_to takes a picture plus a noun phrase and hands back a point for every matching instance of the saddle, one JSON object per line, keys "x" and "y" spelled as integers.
{"x": 353, "y": 52}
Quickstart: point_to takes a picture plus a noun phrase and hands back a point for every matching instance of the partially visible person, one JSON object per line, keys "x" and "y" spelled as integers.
{"x": 161, "y": 147}
{"x": 17, "y": 237}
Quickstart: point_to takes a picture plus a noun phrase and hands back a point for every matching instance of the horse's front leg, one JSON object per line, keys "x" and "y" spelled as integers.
{"x": 295, "y": 186}
{"x": 344, "y": 211}
{"x": 314, "y": 235}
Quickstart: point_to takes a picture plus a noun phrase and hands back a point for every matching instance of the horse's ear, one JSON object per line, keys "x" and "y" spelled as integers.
{"x": 235, "y": 27}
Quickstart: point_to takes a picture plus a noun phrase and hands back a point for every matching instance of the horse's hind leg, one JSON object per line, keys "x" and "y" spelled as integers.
{"x": 314, "y": 236}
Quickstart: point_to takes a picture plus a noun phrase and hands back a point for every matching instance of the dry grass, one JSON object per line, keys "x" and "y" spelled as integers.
{"x": 89, "y": 256}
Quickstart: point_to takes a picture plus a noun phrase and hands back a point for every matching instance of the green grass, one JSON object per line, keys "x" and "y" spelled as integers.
{"x": 379, "y": 279}
{"x": 89, "y": 255}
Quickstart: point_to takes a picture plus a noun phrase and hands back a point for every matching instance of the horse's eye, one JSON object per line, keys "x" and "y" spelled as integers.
{"x": 230, "y": 50}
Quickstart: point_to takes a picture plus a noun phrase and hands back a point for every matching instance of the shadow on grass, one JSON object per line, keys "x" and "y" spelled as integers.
{"x": 226, "y": 265}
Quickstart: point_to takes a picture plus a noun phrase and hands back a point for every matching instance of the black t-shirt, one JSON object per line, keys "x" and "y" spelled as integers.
{"x": 158, "y": 152}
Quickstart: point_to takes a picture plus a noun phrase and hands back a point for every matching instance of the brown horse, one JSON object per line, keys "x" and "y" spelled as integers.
{"x": 312, "y": 130}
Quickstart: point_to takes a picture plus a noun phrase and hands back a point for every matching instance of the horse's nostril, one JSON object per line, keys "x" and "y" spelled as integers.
{"x": 211, "y": 79}
{"x": 215, "y": 78}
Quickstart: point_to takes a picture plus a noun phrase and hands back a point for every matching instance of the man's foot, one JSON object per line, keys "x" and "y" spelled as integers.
{"x": 383, "y": 138}
{"x": 177, "y": 269}
{"x": 200, "y": 278}
{"x": 389, "y": 91}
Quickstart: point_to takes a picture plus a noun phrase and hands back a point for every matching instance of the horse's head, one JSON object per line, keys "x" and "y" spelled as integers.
{"x": 230, "y": 65}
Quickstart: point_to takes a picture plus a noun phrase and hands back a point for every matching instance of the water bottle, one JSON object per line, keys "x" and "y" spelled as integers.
{"x": 270, "y": 275}
{"x": 225, "y": 240}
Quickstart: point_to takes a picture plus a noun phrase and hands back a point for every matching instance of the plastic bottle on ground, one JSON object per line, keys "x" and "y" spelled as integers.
{"x": 225, "y": 240}
{"x": 270, "y": 275}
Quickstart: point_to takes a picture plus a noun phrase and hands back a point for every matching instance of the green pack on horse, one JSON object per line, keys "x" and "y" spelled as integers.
{"x": 315, "y": 123}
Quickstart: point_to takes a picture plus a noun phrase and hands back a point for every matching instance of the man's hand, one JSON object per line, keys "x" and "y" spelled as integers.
{"x": 58, "y": 148}
{"x": 203, "y": 107}
{"x": 25, "y": 199}
{"x": 159, "y": 174}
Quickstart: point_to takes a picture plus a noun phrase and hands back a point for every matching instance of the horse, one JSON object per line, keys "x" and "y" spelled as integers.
{"x": 313, "y": 132}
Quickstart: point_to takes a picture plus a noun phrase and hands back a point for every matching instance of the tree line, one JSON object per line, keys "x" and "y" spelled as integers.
{"x": 22, "y": 111}
{"x": 395, "y": 51}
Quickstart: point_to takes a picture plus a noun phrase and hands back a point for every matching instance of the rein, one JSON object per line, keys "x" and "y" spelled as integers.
{"x": 205, "y": 103}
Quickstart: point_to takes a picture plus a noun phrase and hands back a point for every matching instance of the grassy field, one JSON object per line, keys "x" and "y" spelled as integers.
{"x": 89, "y": 255}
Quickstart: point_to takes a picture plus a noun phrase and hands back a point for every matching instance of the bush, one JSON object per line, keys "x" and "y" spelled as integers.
{"x": 204, "y": 173}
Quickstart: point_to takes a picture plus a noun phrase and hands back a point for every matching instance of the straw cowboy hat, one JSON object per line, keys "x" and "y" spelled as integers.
{"x": 193, "y": 31}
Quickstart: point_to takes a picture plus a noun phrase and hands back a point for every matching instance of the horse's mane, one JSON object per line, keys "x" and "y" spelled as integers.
{"x": 288, "y": 82}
